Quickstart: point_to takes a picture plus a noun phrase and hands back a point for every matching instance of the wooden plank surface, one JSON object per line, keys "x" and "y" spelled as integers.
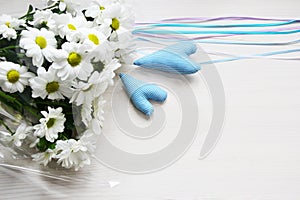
{"x": 258, "y": 156}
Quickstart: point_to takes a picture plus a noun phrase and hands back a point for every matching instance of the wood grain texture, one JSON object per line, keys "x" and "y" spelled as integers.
{"x": 258, "y": 156}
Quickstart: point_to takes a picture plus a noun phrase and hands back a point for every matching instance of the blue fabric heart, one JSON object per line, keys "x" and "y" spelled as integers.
{"x": 140, "y": 92}
{"x": 174, "y": 59}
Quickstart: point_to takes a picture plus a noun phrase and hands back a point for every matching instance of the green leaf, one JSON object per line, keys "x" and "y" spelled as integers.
{"x": 15, "y": 102}
{"x": 52, "y": 146}
{"x": 4, "y": 43}
{"x": 63, "y": 136}
{"x": 29, "y": 15}
{"x": 30, "y": 9}
{"x": 44, "y": 144}
{"x": 10, "y": 101}
{"x": 10, "y": 55}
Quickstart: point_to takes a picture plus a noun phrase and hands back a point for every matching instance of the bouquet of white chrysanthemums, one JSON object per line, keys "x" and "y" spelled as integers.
{"x": 55, "y": 65}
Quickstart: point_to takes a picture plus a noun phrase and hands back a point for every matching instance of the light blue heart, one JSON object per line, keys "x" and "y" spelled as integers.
{"x": 174, "y": 58}
{"x": 140, "y": 93}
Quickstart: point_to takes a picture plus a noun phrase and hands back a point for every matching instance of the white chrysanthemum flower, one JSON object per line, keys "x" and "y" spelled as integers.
{"x": 108, "y": 73}
{"x": 73, "y": 62}
{"x": 11, "y": 22}
{"x": 93, "y": 118}
{"x": 93, "y": 37}
{"x": 86, "y": 113}
{"x": 51, "y": 124}
{"x": 71, "y": 6}
{"x": 9, "y": 25}
{"x": 118, "y": 18}
{"x": 48, "y": 84}
{"x": 72, "y": 153}
{"x": 13, "y": 77}
{"x": 86, "y": 92}
{"x": 98, "y": 105}
{"x": 100, "y": 48}
{"x": 34, "y": 141}
{"x": 90, "y": 135}
{"x": 123, "y": 47}
{"x": 44, "y": 157}
{"x": 17, "y": 138}
{"x": 43, "y": 17}
{"x": 96, "y": 10}
{"x": 93, "y": 112}
{"x": 69, "y": 26}
{"x": 7, "y": 32}
{"x": 38, "y": 44}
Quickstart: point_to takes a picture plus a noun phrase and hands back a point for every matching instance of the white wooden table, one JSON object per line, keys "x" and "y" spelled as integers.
{"x": 258, "y": 156}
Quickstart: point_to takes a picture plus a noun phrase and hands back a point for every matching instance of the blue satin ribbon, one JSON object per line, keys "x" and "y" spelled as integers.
{"x": 248, "y": 57}
{"x": 234, "y": 58}
{"x": 182, "y": 26}
{"x": 221, "y": 42}
{"x": 187, "y": 32}
{"x": 247, "y": 43}
{"x": 192, "y": 25}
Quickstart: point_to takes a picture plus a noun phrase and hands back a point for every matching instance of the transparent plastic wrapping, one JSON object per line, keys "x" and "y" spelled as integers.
{"x": 130, "y": 142}
{"x": 22, "y": 132}
{"x": 107, "y": 170}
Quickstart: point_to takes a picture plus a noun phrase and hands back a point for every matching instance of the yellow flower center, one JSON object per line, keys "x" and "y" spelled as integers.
{"x": 13, "y": 76}
{"x": 74, "y": 59}
{"x": 52, "y": 87}
{"x": 41, "y": 41}
{"x": 50, "y": 122}
{"x": 72, "y": 27}
{"x": 7, "y": 24}
{"x": 102, "y": 8}
{"x": 94, "y": 39}
{"x": 115, "y": 24}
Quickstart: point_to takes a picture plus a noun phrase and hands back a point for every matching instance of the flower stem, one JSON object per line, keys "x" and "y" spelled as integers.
{"x": 32, "y": 111}
{"x": 9, "y": 47}
{"x": 50, "y": 7}
{"x": 54, "y": 103}
{"x": 9, "y": 99}
{"x": 47, "y": 8}
{"x": 6, "y": 126}
{"x": 19, "y": 106}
